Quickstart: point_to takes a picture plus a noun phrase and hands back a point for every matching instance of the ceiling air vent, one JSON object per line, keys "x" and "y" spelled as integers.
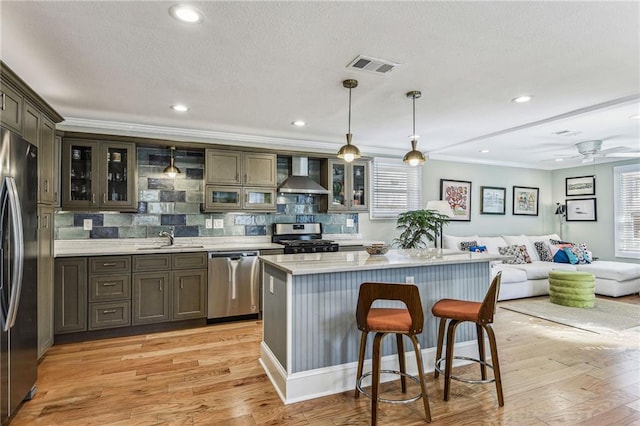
{"x": 377, "y": 66}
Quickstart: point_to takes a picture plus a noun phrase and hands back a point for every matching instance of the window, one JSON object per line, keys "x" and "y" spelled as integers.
{"x": 626, "y": 187}
{"x": 397, "y": 188}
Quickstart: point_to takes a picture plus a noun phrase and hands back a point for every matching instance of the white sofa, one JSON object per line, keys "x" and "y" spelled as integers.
{"x": 532, "y": 279}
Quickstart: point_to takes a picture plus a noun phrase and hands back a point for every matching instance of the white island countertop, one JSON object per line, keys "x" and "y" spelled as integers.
{"x": 318, "y": 263}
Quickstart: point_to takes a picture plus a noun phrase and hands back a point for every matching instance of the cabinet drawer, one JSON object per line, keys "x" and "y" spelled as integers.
{"x": 189, "y": 260}
{"x": 109, "y": 287}
{"x": 109, "y": 264}
{"x": 152, "y": 262}
{"x": 110, "y": 314}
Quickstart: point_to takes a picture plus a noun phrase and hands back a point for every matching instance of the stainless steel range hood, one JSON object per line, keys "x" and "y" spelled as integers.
{"x": 299, "y": 182}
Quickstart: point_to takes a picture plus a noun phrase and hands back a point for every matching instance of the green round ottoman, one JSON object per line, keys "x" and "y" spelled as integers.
{"x": 572, "y": 288}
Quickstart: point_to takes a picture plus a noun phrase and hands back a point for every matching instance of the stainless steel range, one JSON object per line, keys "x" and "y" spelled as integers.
{"x": 301, "y": 238}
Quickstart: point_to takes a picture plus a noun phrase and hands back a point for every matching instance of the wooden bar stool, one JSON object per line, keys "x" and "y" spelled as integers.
{"x": 400, "y": 321}
{"x": 456, "y": 312}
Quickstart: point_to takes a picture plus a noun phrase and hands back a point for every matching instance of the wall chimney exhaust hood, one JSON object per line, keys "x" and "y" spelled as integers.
{"x": 299, "y": 182}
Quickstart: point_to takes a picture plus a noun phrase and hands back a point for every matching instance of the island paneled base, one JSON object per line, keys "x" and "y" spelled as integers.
{"x": 310, "y": 339}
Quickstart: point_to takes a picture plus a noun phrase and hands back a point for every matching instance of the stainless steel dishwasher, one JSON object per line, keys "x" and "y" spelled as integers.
{"x": 233, "y": 285}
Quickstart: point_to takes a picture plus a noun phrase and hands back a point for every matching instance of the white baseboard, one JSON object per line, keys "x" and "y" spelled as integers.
{"x": 311, "y": 384}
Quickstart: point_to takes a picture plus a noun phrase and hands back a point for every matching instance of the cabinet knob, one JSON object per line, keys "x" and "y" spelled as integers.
{"x": 46, "y": 185}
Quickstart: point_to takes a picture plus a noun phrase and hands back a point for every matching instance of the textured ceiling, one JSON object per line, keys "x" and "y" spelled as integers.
{"x": 251, "y": 68}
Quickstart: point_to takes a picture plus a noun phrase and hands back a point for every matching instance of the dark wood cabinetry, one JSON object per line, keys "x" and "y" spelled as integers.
{"x": 99, "y": 175}
{"x": 104, "y": 292}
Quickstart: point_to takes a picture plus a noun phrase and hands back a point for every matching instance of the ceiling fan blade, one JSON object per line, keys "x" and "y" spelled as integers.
{"x": 614, "y": 150}
{"x": 624, "y": 155}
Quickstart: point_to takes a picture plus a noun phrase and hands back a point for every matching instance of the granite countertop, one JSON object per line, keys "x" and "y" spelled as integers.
{"x": 113, "y": 247}
{"x": 316, "y": 263}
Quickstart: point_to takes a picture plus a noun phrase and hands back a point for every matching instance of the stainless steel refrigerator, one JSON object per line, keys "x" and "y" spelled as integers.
{"x": 18, "y": 272}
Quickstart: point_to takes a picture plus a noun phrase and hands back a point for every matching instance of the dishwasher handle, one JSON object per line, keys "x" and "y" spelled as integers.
{"x": 234, "y": 255}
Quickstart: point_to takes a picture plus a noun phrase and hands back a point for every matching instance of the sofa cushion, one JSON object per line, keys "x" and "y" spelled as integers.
{"x": 540, "y": 270}
{"x": 492, "y": 243}
{"x": 510, "y": 274}
{"x": 514, "y": 253}
{"x": 618, "y": 271}
{"x": 452, "y": 242}
{"x": 522, "y": 240}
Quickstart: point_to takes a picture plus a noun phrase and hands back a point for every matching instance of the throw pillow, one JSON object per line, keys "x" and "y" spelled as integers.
{"x": 556, "y": 242}
{"x": 514, "y": 252}
{"x": 578, "y": 253}
{"x": 465, "y": 245}
{"x": 587, "y": 255}
{"x": 543, "y": 251}
{"x": 525, "y": 254}
{"x": 573, "y": 259}
{"x": 478, "y": 249}
{"x": 561, "y": 256}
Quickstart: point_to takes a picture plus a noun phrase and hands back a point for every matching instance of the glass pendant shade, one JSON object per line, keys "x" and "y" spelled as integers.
{"x": 414, "y": 157}
{"x": 171, "y": 170}
{"x": 349, "y": 152}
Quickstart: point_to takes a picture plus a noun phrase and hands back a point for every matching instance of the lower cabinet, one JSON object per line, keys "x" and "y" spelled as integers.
{"x": 118, "y": 291}
{"x": 151, "y": 291}
{"x": 70, "y": 295}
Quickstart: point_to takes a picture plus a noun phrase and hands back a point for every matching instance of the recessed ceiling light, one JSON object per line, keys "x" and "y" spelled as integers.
{"x": 186, "y": 13}
{"x": 484, "y": 151}
{"x": 635, "y": 117}
{"x": 179, "y": 108}
{"x": 522, "y": 99}
{"x": 299, "y": 123}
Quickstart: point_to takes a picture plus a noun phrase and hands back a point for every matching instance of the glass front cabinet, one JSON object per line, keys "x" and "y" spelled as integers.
{"x": 348, "y": 186}
{"x": 223, "y": 198}
{"x": 98, "y": 175}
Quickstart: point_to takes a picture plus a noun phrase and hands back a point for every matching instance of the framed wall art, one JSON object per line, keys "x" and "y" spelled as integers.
{"x": 492, "y": 200}
{"x": 458, "y": 194}
{"x": 581, "y": 210}
{"x": 525, "y": 200}
{"x": 582, "y": 185}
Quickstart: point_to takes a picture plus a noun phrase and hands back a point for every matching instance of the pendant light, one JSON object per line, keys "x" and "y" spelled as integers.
{"x": 414, "y": 157}
{"x": 171, "y": 170}
{"x": 349, "y": 152}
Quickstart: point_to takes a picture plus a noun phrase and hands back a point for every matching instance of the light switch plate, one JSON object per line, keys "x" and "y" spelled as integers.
{"x": 350, "y": 223}
{"x": 218, "y": 223}
{"x": 87, "y": 224}
{"x": 208, "y": 223}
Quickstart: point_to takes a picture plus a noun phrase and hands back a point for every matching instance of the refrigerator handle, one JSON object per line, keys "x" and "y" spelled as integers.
{"x": 18, "y": 250}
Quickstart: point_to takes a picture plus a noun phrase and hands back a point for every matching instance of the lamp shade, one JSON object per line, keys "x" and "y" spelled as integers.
{"x": 441, "y": 206}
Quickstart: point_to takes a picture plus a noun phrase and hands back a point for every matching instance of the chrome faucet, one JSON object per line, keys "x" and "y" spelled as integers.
{"x": 170, "y": 235}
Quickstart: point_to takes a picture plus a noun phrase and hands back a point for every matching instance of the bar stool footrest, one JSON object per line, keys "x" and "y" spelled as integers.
{"x": 392, "y": 401}
{"x": 460, "y": 379}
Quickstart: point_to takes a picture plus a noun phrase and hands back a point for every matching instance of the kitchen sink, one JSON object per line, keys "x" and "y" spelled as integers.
{"x": 175, "y": 246}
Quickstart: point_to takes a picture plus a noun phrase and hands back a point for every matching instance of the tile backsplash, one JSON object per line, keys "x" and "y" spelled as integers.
{"x": 165, "y": 202}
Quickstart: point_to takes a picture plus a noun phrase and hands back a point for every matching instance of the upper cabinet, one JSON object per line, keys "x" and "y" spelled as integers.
{"x": 10, "y": 107}
{"x": 240, "y": 168}
{"x": 348, "y": 184}
{"x": 99, "y": 175}
{"x": 238, "y": 180}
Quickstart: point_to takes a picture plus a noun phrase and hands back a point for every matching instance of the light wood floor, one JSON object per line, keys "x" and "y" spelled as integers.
{"x": 552, "y": 374}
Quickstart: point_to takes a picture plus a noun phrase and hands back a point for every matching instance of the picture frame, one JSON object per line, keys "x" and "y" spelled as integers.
{"x": 580, "y": 185}
{"x": 525, "y": 200}
{"x": 492, "y": 200}
{"x": 458, "y": 194}
{"x": 581, "y": 210}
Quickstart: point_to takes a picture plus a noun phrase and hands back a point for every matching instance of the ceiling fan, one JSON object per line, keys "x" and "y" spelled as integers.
{"x": 590, "y": 150}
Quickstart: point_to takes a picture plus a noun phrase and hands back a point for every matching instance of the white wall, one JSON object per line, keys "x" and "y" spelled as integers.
{"x": 479, "y": 175}
{"x": 597, "y": 235}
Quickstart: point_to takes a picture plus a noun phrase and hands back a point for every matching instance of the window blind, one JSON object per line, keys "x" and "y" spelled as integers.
{"x": 397, "y": 188}
{"x": 626, "y": 187}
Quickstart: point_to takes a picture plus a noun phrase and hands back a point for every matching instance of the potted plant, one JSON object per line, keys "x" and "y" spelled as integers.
{"x": 416, "y": 226}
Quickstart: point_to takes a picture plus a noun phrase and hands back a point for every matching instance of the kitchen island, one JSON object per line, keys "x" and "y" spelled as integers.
{"x": 310, "y": 340}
